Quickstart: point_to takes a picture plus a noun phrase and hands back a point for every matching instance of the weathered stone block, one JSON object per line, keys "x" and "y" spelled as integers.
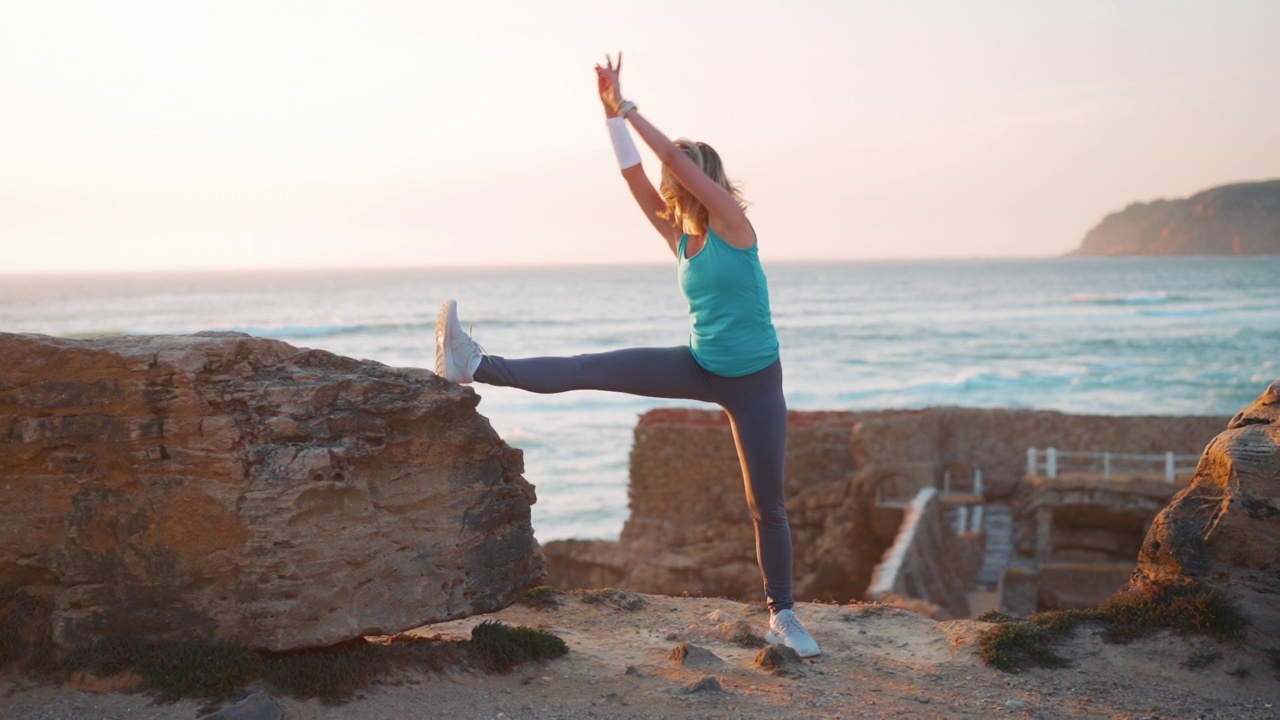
{"x": 245, "y": 490}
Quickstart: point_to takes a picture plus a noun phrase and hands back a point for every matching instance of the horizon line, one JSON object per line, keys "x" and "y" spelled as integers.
{"x": 264, "y": 269}
{"x": 318, "y": 269}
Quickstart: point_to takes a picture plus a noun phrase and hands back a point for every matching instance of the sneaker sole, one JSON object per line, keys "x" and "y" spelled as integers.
{"x": 445, "y": 367}
{"x": 772, "y": 639}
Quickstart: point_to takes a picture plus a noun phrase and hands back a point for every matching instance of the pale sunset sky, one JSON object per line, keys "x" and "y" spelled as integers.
{"x": 223, "y": 135}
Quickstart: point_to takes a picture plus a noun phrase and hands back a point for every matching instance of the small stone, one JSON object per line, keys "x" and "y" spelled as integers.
{"x": 1016, "y": 705}
{"x": 694, "y": 656}
{"x": 778, "y": 659}
{"x": 708, "y": 683}
{"x": 636, "y": 671}
{"x": 739, "y": 633}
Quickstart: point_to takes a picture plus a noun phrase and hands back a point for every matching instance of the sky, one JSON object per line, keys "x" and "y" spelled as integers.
{"x": 164, "y": 135}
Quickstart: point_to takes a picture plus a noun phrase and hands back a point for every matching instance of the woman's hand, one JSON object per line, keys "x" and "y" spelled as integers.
{"x": 609, "y": 85}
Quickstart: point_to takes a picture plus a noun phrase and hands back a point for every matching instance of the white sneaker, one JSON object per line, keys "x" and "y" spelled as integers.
{"x": 457, "y": 355}
{"x": 785, "y": 628}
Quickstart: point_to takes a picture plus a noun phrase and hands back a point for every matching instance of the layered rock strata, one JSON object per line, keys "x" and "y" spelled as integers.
{"x": 1223, "y": 530}
{"x": 243, "y": 490}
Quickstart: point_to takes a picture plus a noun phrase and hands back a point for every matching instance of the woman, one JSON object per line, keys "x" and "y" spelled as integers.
{"x": 732, "y": 357}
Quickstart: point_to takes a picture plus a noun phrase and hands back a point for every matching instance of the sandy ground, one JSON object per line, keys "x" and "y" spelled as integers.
{"x": 877, "y": 662}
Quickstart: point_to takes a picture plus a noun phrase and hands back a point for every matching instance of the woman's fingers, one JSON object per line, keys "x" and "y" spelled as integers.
{"x": 610, "y": 69}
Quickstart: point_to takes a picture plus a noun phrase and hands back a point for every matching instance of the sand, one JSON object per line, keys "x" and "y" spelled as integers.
{"x": 878, "y": 661}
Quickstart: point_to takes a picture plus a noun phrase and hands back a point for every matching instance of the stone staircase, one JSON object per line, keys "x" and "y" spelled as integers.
{"x": 997, "y": 521}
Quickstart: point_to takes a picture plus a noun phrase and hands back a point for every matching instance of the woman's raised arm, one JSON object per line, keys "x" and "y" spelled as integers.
{"x": 646, "y": 196}
{"x": 724, "y": 212}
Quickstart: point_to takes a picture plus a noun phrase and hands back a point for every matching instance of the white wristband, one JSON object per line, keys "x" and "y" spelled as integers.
{"x": 623, "y": 147}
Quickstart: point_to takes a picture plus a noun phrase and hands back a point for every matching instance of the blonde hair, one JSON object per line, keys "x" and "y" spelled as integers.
{"x": 682, "y": 206}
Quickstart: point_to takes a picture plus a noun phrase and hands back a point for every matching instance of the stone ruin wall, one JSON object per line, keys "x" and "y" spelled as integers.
{"x": 689, "y": 530}
{"x": 996, "y": 440}
{"x": 928, "y": 561}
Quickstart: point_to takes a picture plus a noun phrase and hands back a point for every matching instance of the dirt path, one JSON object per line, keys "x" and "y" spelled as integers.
{"x": 877, "y": 662}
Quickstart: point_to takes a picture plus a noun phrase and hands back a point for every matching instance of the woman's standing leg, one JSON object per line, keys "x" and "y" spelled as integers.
{"x": 758, "y": 414}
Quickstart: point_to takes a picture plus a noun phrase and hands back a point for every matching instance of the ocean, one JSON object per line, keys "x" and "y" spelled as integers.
{"x": 1154, "y": 336}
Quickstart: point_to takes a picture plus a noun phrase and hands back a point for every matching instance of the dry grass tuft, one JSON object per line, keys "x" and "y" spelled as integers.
{"x": 1184, "y": 607}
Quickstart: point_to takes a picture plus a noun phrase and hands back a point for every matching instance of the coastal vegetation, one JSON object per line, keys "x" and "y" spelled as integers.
{"x": 1182, "y": 606}
{"x": 212, "y": 671}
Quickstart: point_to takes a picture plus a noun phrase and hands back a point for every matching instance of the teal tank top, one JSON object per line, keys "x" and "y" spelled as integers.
{"x": 730, "y": 327}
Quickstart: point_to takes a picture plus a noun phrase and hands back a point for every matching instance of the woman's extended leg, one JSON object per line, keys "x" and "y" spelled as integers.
{"x": 652, "y": 372}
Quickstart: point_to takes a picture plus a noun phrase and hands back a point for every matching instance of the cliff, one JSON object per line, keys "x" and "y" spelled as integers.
{"x": 1239, "y": 219}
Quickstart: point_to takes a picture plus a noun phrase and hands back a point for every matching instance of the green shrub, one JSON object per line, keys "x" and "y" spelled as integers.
{"x": 542, "y": 597}
{"x": 500, "y": 648}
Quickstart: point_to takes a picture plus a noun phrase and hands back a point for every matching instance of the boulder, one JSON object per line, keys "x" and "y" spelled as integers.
{"x": 243, "y": 490}
{"x": 1223, "y": 530}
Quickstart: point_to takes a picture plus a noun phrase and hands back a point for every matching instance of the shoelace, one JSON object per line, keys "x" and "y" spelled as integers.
{"x": 789, "y": 623}
{"x": 471, "y": 329}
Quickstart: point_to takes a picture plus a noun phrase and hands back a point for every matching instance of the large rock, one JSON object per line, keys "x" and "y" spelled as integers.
{"x": 245, "y": 490}
{"x": 1224, "y": 529}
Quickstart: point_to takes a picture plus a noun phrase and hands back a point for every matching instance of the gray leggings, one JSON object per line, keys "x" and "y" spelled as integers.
{"x": 755, "y": 405}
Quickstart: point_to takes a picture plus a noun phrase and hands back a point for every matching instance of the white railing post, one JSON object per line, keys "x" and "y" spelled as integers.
{"x": 977, "y": 517}
{"x": 962, "y": 519}
{"x": 1031, "y": 462}
{"x": 1051, "y": 463}
{"x": 1106, "y": 466}
{"x": 1168, "y": 467}
{"x": 946, "y": 483}
{"x": 977, "y": 482}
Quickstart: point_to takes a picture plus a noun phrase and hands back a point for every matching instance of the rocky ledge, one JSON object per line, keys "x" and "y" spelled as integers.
{"x": 244, "y": 490}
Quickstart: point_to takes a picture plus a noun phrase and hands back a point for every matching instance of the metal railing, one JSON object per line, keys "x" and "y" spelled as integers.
{"x": 1107, "y": 464}
{"x": 975, "y": 484}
